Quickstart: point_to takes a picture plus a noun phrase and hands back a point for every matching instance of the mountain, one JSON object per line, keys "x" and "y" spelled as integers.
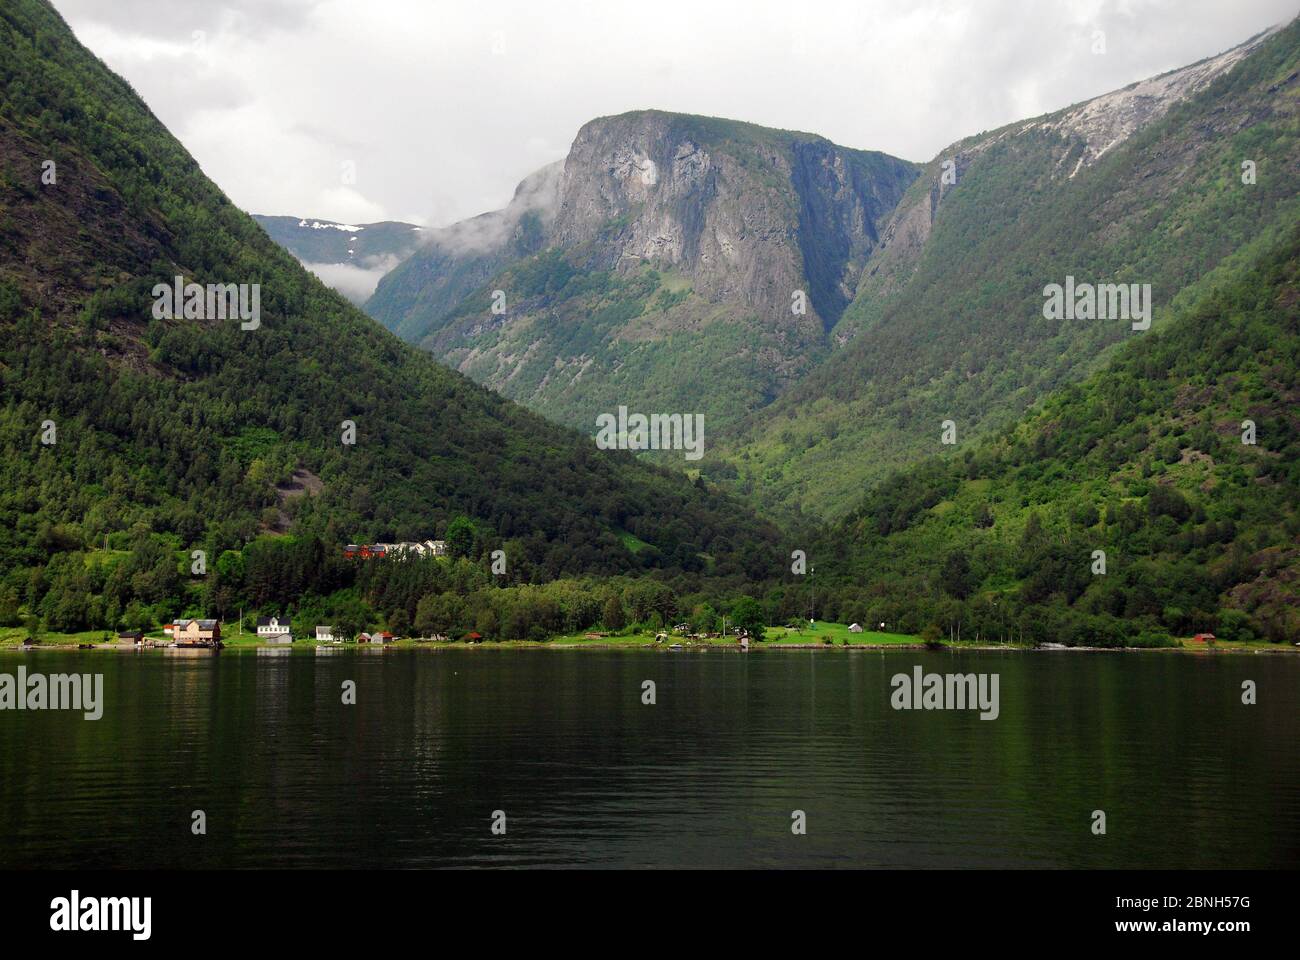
{"x": 1179, "y": 461}
{"x": 1145, "y": 185}
{"x": 672, "y": 263}
{"x": 351, "y": 258}
{"x": 123, "y": 427}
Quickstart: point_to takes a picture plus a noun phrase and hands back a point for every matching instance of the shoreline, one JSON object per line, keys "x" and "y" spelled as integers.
{"x": 311, "y": 645}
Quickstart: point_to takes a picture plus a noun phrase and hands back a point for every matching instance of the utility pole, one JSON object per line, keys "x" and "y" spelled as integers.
{"x": 812, "y": 582}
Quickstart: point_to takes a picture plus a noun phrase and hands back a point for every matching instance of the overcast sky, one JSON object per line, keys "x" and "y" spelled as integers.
{"x": 440, "y": 108}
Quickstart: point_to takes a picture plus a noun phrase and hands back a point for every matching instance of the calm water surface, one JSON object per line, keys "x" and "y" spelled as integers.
{"x": 587, "y": 775}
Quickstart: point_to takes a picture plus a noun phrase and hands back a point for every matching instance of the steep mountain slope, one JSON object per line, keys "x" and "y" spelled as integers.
{"x": 677, "y": 264}
{"x": 1142, "y": 186}
{"x": 119, "y": 422}
{"x": 1144, "y": 461}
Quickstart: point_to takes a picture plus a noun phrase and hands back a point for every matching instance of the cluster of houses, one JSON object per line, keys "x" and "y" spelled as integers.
{"x": 273, "y": 631}
{"x": 376, "y": 551}
{"x": 325, "y": 634}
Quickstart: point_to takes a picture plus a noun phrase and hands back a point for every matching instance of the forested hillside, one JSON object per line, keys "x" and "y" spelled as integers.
{"x": 128, "y": 440}
{"x": 1146, "y": 462}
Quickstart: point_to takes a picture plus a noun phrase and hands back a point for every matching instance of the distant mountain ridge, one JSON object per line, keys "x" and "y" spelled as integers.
{"x": 349, "y": 257}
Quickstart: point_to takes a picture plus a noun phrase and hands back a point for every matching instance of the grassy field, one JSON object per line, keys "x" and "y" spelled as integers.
{"x": 13, "y": 636}
{"x": 838, "y": 634}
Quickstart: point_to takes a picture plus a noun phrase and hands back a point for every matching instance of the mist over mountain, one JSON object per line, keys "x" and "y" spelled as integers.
{"x": 455, "y": 261}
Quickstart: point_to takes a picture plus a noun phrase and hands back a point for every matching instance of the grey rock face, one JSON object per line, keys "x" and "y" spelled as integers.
{"x": 748, "y": 215}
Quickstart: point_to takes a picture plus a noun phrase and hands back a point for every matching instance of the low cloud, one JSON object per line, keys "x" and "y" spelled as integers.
{"x": 538, "y": 193}
{"x": 181, "y": 18}
{"x": 356, "y": 282}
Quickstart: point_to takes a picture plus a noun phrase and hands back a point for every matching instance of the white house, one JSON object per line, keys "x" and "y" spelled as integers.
{"x": 324, "y": 634}
{"x": 274, "y": 630}
{"x": 855, "y": 628}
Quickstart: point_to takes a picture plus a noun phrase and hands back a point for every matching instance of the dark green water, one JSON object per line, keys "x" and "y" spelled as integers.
{"x": 587, "y": 775}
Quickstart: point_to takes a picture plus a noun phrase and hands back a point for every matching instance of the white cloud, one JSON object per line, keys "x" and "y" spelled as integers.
{"x": 443, "y": 107}
{"x": 356, "y": 283}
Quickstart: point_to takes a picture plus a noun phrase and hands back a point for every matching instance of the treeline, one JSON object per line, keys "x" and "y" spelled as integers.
{"x": 153, "y": 579}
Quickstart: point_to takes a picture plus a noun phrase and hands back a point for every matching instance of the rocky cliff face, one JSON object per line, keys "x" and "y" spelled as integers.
{"x": 747, "y": 214}
{"x": 684, "y": 233}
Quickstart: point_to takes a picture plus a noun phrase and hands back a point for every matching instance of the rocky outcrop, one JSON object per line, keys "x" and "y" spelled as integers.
{"x": 1107, "y": 121}
{"x": 746, "y": 214}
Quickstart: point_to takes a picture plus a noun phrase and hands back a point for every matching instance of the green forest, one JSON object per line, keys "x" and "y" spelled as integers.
{"x": 1146, "y": 462}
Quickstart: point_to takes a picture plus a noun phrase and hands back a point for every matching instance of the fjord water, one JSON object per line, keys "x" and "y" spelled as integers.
{"x": 708, "y": 776}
